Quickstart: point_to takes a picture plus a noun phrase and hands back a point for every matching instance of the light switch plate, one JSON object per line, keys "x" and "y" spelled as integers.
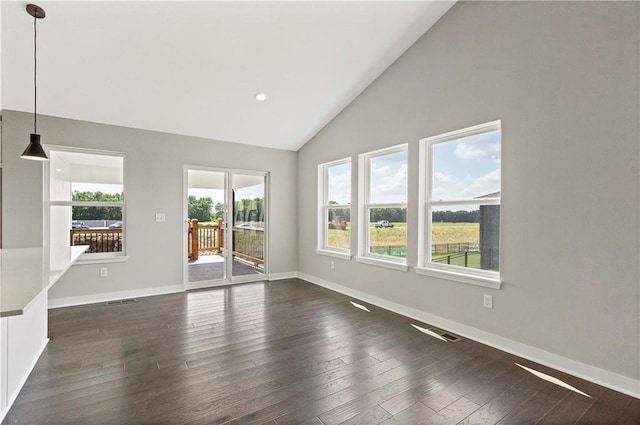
{"x": 488, "y": 301}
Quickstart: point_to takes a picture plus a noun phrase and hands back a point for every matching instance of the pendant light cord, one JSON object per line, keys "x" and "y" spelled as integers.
{"x": 35, "y": 68}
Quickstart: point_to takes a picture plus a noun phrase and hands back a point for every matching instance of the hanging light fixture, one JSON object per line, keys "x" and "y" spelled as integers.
{"x": 34, "y": 150}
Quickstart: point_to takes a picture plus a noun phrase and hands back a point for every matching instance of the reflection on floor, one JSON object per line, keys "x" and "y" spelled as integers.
{"x": 211, "y": 267}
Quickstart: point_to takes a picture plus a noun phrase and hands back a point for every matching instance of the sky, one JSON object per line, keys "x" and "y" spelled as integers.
{"x": 388, "y": 178}
{"x": 339, "y": 188}
{"x": 464, "y": 168}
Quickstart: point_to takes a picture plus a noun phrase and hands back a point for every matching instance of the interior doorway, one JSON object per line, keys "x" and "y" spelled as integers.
{"x": 225, "y": 227}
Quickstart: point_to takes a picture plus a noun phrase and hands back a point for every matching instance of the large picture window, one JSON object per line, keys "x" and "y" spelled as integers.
{"x": 334, "y": 212}
{"x": 460, "y": 203}
{"x": 86, "y": 201}
{"x": 383, "y": 207}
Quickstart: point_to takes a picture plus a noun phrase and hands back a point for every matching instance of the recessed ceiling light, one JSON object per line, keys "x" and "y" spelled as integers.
{"x": 261, "y": 97}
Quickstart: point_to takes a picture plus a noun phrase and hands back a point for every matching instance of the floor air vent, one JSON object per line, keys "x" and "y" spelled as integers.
{"x": 118, "y": 302}
{"x": 450, "y": 337}
{"x": 446, "y": 335}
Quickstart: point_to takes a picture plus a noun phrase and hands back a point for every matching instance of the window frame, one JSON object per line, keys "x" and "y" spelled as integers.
{"x": 486, "y": 278}
{"x": 364, "y": 210}
{"x": 87, "y": 258}
{"x": 324, "y": 207}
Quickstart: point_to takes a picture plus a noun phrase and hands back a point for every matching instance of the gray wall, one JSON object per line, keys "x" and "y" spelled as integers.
{"x": 154, "y": 183}
{"x": 563, "y": 78}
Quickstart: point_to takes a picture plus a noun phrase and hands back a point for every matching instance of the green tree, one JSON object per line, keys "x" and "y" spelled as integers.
{"x": 345, "y": 213}
{"x": 456, "y": 216}
{"x": 93, "y": 212}
{"x": 247, "y": 210}
{"x": 218, "y": 210}
{"x": 395, "y": 215}
{"x": 200, "y": 208}
{"x": 97, "y": 197}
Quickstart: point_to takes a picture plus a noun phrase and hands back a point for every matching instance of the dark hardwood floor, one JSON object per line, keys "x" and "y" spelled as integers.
{"x": 286, "y": 352}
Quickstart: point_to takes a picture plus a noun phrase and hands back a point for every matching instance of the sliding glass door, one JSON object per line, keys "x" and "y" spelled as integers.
{"x": 248, "y": 229}
{"x": 225, "y": 227}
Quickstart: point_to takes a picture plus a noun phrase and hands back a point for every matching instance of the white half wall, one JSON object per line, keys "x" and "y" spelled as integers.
{"x": 564, "y": 79}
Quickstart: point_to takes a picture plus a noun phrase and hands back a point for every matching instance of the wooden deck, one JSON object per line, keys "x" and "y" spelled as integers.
{"x": 211, "y": 267}
{"x": 287, "y": 352}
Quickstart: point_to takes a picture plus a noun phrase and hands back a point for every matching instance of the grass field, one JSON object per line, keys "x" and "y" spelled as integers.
{"x": 455, "y": 232}
{"x": 473, "y": 260}
{"x": 397, "y": 235}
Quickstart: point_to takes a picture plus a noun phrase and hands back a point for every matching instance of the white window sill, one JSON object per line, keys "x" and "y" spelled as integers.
{"x": 486, "y": 282}
{"x": 86, "y": 259}
{"x": 383, "y": 263}
{"x": 335, "y": 254}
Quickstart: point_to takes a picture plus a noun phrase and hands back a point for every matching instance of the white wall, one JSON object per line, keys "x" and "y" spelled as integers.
{"x": 563, "y": 77}
{"x": 154, "y": 183}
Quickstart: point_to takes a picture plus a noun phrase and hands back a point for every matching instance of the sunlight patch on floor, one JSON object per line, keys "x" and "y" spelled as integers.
{"x": 553, "y": 380}
{"x": 360, "y": 306}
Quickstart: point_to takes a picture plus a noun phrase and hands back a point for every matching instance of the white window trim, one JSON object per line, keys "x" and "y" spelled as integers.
{"x": 364, "y": 207}
{"x": 383, "y": 262}
{"x": 86, "y": 260}
{"x": 95, "y": 258}
{"x": 322, "y": 246}
{"x": 485, "y": 278}
{"x": 333, "y": 253}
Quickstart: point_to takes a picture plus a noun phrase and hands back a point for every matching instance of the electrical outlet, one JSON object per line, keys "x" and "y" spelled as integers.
{"x": 104, "y": 272}
{"x": 333, "y": 264}
{"x": 488, "y": 301}
{"x": 161, "y": 217}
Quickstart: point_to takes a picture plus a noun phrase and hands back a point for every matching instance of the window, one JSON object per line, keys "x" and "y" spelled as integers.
{"x": 86, "y": 201}
{"x": 383, "y": 207}
{"x": 334, "y": 208}
{"x": 460, "y": 204}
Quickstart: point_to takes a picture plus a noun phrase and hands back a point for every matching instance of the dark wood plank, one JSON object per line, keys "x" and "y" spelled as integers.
{"x": 573, "y": 406}
{"x": 412, "y": 414}
{"x": 284, "y": 353}
{"x": 607, "y": 409}
{"x": 453, "y": 413}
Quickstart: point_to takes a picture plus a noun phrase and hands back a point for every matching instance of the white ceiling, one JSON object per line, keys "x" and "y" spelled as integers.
{"x": 193, "y": 68}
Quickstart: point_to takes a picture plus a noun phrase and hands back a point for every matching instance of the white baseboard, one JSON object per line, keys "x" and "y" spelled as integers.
{"x": 12, "y": 397}
{"x": 285, "y": 275}
{"x": 113, "y": 296}
{"x": 590, "y": 373}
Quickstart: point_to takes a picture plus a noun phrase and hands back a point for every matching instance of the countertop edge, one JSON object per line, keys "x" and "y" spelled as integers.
{"x": 77, "y": 251}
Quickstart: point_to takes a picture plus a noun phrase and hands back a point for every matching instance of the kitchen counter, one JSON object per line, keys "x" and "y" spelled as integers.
{"x": 25, "y": 273}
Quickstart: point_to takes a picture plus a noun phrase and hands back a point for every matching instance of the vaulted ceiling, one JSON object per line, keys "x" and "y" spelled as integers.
{"x": 193, "y": 68}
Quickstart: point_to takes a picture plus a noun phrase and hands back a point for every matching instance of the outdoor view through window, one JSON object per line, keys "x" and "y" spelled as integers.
{"x": 338, "y": 206}
{"x": 386, "y": 203}
{"x": 464, "y": 200}
{"x": 86, "y": 199}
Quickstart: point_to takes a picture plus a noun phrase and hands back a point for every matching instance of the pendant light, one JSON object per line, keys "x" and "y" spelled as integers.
{"x": 34, "y": 150}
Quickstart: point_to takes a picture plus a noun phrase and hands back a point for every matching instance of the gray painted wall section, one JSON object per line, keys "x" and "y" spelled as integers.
{"x": 563, "y": 78}
{"x": 154, "y": 183}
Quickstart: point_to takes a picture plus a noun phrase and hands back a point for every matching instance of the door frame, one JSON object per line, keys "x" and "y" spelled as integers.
{"x": 228, "y": 236}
